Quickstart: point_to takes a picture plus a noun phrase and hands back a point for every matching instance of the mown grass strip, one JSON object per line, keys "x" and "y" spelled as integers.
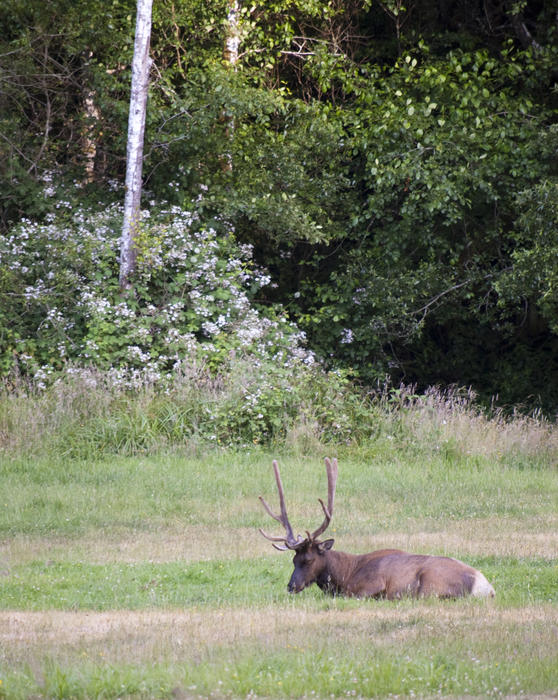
{"x": 384, "y": 493}
{"x": 47, "y": 585}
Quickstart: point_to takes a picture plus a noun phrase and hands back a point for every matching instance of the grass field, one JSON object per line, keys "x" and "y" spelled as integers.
{"x": 147, "y": 577}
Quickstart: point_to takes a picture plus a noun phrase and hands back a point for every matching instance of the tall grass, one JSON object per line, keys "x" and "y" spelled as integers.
{"x": 451, "y": 421}
{"x": 298, "y": 410}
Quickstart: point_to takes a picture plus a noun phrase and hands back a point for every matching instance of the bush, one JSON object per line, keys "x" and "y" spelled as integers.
{"x": 192, "y": 299}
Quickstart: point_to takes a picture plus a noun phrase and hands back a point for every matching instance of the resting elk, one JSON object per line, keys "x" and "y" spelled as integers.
{"x": 387, "y": 573}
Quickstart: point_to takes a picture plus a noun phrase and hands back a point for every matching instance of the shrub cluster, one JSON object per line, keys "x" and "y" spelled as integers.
{"x": 61, "y": 307}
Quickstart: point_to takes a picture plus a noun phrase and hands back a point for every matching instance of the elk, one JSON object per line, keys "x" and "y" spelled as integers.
{"x": 386, "y": 573}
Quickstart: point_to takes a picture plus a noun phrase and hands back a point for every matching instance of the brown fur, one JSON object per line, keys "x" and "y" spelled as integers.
{"x": 387, "y": 573}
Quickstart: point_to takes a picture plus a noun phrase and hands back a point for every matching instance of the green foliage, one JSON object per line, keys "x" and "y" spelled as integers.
{"x": 533, "y": 277}
{"x": 250, "y": 401}
{"x": 435, "y": 233}
{"x": 245, "y": 401}
{"x": 289, "y": 177}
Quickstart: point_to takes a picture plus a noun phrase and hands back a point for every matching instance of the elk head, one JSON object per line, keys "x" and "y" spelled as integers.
{"x": 309, "y": 559}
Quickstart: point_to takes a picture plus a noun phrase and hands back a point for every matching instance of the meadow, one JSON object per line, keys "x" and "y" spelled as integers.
{"x": 146, "y": 577}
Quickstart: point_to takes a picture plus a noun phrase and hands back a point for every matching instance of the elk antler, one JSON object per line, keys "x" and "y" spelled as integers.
{"x": 290, "y": 541}
{"x": 331, "y": 468}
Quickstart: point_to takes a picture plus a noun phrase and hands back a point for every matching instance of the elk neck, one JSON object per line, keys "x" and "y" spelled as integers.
{"x": 337, "y": 571}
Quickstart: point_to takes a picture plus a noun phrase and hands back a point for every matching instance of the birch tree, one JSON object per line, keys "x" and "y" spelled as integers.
{"x": 232, "y": 37}
{"x": 230, "y": 59}
{"x": 141, "y": 64}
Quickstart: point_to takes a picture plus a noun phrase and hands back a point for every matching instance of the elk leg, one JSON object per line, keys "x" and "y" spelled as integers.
{"x": 370, "y": 589}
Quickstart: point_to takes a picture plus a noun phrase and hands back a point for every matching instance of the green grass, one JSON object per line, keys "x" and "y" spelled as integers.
{"x": 69, "y": 497}
{"x": 259, "y": 582}
{"x": 366, "y": 673}
{"x": 147, "y": 578}
{"x": 79, "y": 586}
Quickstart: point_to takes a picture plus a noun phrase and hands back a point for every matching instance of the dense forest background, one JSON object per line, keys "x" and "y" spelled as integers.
{"x": 381, "y": 176}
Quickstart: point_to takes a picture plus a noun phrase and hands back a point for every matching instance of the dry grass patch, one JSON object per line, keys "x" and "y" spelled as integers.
{"x": 181, "y": 635}
{"x": 453, "y": 415}
{"x": 533, "y": 537}
{"x": 189, "y": 543}
{"x": 499, "y": 537}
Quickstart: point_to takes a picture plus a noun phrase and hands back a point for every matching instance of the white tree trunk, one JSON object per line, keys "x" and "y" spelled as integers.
{"x": 230, "y": 58}
{"x": 134, "y": 151}
{"x": 232, "y": 38}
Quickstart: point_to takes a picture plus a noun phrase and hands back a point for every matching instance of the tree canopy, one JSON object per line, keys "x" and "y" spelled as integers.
{"x": 393, "y": 167}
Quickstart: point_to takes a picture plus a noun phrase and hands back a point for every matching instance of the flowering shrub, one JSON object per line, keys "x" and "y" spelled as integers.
{"x": 60, "y": 304}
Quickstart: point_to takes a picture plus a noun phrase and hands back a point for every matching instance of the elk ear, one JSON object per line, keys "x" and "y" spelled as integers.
{"x": 324, "y": 546}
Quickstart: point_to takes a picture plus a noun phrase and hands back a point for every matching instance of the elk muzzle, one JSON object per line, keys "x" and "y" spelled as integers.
{"x": 297, "y": 582}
